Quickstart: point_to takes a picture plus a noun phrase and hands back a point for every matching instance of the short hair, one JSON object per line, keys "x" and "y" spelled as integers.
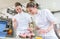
{"x": 18, "y": 4}
{"x": 37, "y": 5}
{"x": 30, "y": 4}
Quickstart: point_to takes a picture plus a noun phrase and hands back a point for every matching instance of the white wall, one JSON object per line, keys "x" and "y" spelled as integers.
{"x": 53, "y": 5}
{"x": 57, "y": 15}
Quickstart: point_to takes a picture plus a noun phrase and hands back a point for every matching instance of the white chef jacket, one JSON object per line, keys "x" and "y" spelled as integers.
{"x": 43, "y": 19}
{"x": 22, "y": 22}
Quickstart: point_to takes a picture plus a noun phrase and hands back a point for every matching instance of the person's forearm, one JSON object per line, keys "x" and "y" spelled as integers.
{"x": 14, "y": 23}
{"x": 44, "y": 31}
{"x": 51, "y": 26}
{"x": 14, "y": 26}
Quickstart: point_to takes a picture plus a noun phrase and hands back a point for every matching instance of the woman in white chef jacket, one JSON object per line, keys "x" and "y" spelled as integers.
{"x": 20, "y": 21}
{"x": 44, "y": 21}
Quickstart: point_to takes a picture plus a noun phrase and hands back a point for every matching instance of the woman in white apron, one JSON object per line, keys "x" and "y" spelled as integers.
{"x": 44, "y": 21}
{"x": 20, "y": 21}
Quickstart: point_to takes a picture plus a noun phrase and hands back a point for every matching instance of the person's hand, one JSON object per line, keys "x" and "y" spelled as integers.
{"x": 43, "y": 31}
{"x": 37, "y": 28}
{"x": 30, "y": 29}
{"x": 23, "y": 35}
